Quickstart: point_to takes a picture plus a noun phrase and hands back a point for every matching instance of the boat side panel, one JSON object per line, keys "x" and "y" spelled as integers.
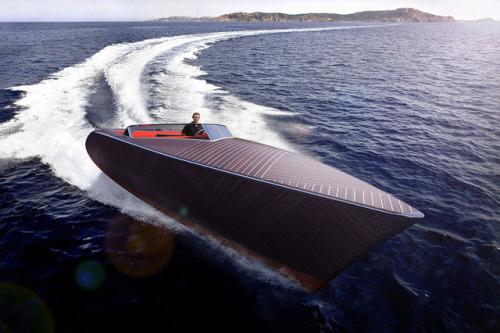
{"x": 312, "y": 235}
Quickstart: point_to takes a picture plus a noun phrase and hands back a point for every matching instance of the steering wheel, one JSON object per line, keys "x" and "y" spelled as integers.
{"x": 200, "y": 132}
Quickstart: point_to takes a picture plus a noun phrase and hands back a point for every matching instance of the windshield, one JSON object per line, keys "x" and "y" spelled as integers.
{"x": 214, "y": 131}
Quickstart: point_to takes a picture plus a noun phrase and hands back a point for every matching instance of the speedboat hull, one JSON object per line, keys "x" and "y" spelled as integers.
{"x": 270, "y": 203}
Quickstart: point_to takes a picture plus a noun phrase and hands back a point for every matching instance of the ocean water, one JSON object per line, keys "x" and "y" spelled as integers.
{"x": 413, "y": 109}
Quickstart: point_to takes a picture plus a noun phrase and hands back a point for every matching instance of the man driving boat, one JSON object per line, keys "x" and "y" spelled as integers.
{"x": 193, "y": 128}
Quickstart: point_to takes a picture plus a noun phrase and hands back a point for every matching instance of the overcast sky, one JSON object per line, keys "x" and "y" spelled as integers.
{"x": 139, "y": 10}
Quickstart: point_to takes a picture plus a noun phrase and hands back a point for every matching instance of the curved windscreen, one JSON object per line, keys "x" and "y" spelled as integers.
{"x": 216, "y": 132}
{"x": 213, "y": 131}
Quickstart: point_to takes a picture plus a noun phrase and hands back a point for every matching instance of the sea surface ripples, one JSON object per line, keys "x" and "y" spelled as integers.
{"x": 409, "y": 108}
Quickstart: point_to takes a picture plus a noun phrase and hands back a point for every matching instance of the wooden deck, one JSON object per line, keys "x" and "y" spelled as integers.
{"x": 275, "y": 165}
{"x": 309, "y": 218}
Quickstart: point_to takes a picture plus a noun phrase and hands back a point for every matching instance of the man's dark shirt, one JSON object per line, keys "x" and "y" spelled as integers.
{"x": 191, "y": 129}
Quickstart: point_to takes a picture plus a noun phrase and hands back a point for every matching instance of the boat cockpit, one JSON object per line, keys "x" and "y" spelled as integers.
{"x": 208, "y": 132}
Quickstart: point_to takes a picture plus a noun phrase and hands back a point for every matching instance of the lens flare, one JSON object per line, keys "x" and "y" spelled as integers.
{"x": 90, "y": 275}
{"x": 21, "y": 310}
{"x": 138, "y": 248}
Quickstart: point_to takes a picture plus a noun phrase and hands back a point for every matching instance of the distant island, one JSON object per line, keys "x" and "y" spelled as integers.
{"x": 485, "y": 20}
{"x": 397, "y": 15}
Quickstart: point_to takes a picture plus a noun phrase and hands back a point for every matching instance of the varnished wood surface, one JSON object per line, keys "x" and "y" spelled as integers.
{"x": 279, "y": 166}
{"x": 313, "y": 235}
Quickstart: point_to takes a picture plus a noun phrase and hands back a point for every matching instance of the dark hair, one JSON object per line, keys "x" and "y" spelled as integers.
{"x": 196, "y": 113}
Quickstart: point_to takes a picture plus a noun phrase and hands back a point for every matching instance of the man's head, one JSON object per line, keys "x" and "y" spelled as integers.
{"x": 196, "y": 117}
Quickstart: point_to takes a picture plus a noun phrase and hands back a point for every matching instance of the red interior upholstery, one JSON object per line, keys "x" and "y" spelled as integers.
{"x": 152, "y": 134}
{"x": 165, "y": 134}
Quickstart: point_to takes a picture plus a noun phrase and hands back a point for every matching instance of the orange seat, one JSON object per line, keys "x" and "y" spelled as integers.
{"x": 152, "y": 134}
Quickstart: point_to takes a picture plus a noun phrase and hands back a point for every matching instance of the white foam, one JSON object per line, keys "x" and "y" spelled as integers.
{"x": 184, "y": 93}
{"x": 53, "y": 124}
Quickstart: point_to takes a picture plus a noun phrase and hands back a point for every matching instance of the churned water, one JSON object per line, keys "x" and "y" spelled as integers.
{"x": 413, "y": 109}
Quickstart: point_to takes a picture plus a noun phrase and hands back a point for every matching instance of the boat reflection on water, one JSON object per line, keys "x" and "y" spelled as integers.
{"x": 137, "y": 248}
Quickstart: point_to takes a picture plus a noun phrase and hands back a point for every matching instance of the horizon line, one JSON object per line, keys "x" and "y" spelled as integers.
{"x": 27, "y": 20}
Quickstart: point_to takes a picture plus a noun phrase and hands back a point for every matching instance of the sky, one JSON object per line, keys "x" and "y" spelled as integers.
{"x": 143, "y": 10}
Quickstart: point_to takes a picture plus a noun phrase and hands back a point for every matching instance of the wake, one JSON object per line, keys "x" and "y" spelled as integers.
{"x": 53, "y": 123}
{"x": 150, "y": 81}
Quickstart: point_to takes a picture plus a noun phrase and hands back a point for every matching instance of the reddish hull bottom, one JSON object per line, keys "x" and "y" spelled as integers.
{"x": 310, "y": 238}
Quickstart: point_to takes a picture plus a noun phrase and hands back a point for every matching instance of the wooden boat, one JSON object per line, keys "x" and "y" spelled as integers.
{"x": 304, "y": 217}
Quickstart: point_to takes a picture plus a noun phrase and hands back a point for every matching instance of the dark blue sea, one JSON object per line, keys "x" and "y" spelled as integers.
{"x": 413, "y": 109}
